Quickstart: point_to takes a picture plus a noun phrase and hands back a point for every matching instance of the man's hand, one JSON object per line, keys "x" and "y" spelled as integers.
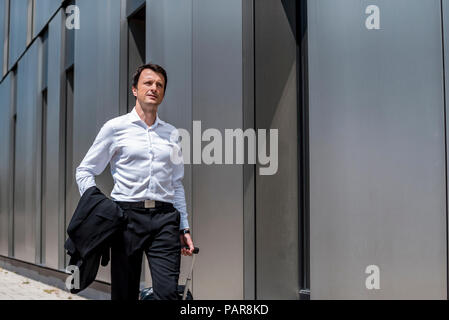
{"x": 186, "y": 240}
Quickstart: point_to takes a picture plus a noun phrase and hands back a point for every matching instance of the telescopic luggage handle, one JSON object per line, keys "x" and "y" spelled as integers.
{"x": 189, "y": 277}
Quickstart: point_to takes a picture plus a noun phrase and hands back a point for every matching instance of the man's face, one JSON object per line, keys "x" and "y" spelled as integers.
{"x": 150, "y": 88}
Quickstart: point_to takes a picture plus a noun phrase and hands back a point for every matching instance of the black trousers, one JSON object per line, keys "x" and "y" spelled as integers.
{"x": 155, "y": 232}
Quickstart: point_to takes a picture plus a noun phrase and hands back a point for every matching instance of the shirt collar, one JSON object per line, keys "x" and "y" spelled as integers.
{"x": 135, "y": 118}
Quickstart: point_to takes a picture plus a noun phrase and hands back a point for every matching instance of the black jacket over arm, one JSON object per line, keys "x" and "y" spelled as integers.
{"x": 90, "y": 230}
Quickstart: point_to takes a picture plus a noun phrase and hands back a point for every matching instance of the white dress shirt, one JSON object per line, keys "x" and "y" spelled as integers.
{"x": 140, "y": 162}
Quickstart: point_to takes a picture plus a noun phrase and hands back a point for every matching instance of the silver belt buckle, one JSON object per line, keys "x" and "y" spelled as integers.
{"x": 150, "y": 204}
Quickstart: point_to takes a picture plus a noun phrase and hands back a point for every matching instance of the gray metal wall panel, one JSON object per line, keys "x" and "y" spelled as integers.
{"x": 276, "y": 108}
{"x": 17, "y": 29}
{"x": 5, "y": 46}
{"x": 445, "y": 15}
{"x": 96, "y": 98}
{"x": 69, "y": 44}
{"x": 217, "y": 101}
{"x": 54, "y": 187}
{"x": 6, "y": 122}
{"x": 43, "y": 11}
{"x": 377, "y": 171}
{"x": 26, "y": 156}
{"x": 200, "y": 45}
{"x": 3, "y": 16}
{"x": 249, "y": 189}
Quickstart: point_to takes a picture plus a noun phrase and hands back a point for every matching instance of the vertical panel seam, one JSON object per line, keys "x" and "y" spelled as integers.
{"x": 257, "y": 150}
{"x": 445, "y": 139}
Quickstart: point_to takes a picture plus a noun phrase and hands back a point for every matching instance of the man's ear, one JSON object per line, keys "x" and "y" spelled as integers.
{"x": 134, "y": 89}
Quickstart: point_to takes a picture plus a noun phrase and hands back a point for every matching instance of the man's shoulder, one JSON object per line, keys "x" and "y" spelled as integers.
{"x": 116, "y": 122}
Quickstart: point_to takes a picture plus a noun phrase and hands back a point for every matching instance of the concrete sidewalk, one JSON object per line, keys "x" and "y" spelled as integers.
{"x": 17, "y": 287}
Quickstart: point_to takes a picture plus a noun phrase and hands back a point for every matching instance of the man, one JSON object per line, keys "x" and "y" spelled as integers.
{"x": 147, "y": 186}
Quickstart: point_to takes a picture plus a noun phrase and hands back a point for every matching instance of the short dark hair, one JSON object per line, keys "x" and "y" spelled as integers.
{"x": 152, "y": 66}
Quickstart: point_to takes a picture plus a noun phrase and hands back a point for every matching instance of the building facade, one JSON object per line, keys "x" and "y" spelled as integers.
{"x": 357, "y": 208}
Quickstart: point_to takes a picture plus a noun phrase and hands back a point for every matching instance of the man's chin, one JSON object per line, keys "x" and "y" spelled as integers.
{"x": 150, "y": 102}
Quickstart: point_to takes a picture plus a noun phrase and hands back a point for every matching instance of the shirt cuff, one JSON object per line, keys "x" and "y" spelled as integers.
{"x": 86, "y": 183}
{"x": 184, "y": 221}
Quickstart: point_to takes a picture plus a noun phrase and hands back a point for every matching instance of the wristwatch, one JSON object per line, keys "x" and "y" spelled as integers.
{"x": 184, "y": 231}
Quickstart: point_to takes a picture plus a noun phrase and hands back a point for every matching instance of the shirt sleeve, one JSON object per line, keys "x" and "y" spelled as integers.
{"x": 179, "y": 198}
{"x": 96, "y": 159}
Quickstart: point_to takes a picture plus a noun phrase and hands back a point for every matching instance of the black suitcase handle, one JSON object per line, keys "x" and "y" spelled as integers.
{"x": 196, "y": 250}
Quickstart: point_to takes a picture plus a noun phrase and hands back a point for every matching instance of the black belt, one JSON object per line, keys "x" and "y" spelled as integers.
{"x": 147, "y": 204}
